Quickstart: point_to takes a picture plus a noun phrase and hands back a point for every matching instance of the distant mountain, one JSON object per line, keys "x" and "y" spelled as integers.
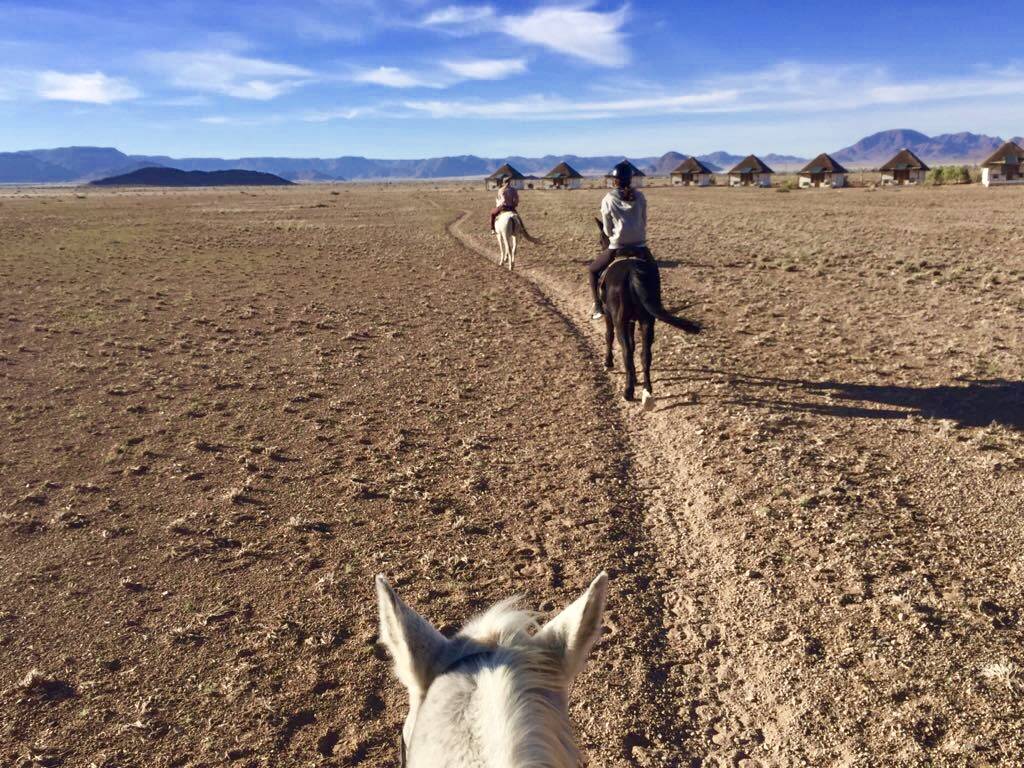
{"x": 784, "y": 162}
{"x": 172, "y": 177}
{"x": 78, "y": 164}
{"x": 665, "y": 164}
{"x": 720, "y": 161}
{"x": 873, "y": 151}
{"x": 20, "y": 168}
{"x": 85, "y": 163}
{"x": 308, "y": 175}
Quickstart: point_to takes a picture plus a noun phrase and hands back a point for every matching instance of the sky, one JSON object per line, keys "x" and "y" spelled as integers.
{"x": 419, "y": 78}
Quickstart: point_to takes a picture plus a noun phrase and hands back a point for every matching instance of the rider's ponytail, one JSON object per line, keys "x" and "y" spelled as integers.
{"x": 626, "y": 192}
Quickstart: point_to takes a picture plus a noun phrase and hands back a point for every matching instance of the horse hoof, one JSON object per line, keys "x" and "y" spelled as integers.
{"x": 609, "y": 364}
{"x": 628, "y": 395}
{"x": 647, "y": 399}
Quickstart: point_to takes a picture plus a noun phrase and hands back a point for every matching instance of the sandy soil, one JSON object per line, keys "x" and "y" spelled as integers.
{"x": 224, "y": 411}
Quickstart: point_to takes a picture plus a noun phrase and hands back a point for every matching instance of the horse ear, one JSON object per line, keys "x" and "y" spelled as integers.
{"x": 415, "y": 646}
{"x": 573, "y": 632}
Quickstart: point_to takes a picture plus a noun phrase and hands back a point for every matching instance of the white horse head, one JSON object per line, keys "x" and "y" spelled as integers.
{"x": 495, "y": 695}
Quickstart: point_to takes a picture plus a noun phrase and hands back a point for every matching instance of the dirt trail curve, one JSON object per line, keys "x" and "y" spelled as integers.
{"x": 833, "y": 473}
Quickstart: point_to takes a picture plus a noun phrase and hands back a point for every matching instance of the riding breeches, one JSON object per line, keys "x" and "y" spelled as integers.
{"x": 498, "y": 211}
{"x": 597, "y": 267}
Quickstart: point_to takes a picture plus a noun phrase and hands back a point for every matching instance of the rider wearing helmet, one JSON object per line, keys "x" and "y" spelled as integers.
{"x": 507, "y": 199}
{"x": 624, "y": 218}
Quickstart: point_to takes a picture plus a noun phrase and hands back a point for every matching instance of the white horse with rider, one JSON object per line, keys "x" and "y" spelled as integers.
{"x": 507, "y": 224}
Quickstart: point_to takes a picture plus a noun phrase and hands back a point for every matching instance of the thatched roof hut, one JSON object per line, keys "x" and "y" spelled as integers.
{"x": 638, "y": 176}
{"x": 494, "y": 180}
{"x": 563, "y": 176}
{"x": 904, "y": 168}
{"x": 1003, "y": 166}
{"x": 823, "y": 171}
{"x": 691, "y": 171}
{"x": 751, "y": 171}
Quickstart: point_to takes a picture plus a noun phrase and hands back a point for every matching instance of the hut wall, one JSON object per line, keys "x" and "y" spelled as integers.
{"x": 995, "y": 176}
{"x": 912, "y": 176}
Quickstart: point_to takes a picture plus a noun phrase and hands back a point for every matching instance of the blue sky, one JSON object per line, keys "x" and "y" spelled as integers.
{"x": 418, "y": 78}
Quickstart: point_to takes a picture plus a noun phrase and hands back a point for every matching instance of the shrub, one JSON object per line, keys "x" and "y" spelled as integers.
{"x": 937, "y": 176}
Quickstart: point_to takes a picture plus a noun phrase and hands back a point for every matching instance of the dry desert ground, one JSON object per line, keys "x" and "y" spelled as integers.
{"x": 224, "y": 411}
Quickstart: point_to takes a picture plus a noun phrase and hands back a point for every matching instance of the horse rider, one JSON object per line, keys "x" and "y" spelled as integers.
{"x": 507, "y": 199}
{"x": 624, "y": 218}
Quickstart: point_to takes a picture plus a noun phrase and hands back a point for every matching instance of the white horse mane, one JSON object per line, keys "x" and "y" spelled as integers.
{"x": 496, "y": 693}
{"x": 525, "y": 676}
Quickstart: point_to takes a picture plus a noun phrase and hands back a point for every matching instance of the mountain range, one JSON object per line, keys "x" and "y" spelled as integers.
{"x": 83, "y": 164}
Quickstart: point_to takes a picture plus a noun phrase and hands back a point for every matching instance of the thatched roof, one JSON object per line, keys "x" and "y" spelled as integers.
{"x": 563, "y": 171}
{"x": 636, "y": 171}
{"x": 823, "y": 163}
{"x": 751, "y": 164}
{"x": 1008, "y": 154}
{"x": 691, "y": 165}
{"x": 506, "y": 170}
{"x": 905, "y": 160}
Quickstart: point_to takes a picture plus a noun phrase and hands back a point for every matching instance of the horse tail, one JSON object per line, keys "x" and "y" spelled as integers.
{"x": 527, "y": 235}
{"x": 646, "y": 284}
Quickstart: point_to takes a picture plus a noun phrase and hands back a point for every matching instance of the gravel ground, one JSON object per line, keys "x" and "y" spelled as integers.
{"x": 225, "y": 410}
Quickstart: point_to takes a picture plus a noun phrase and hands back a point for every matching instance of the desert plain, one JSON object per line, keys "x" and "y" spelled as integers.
{"x": 224, "y": 411}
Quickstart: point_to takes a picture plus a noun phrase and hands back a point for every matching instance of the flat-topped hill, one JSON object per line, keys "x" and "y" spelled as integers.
{"x": 172, "y": 177}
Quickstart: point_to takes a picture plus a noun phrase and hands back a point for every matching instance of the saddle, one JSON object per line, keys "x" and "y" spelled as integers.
{"x": 624, "y": 253}
{"x": 632, "y": 252}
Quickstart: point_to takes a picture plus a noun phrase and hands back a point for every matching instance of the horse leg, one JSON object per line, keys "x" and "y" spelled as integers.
{"x": 502, "y": 247}
{"x": 512, "y": 253}
{"x": 624, "y": 329}
{"x": 646, "y": 353}
{"x": 609, "y": 337}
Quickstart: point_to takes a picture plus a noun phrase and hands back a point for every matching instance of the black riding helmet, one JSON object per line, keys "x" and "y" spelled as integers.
{"x": 623, "y": 172}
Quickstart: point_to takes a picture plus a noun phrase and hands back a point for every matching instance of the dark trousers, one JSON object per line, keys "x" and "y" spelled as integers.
{"x": 597, "y": 267}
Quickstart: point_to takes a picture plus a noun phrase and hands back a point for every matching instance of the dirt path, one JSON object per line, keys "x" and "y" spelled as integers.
{"x": 833, "y": 471}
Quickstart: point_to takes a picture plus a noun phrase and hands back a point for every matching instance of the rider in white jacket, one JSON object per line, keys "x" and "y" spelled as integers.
{"x": 624, "y": 218}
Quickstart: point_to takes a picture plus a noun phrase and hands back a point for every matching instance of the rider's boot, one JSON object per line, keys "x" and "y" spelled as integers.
{"x": 598, "y": 312}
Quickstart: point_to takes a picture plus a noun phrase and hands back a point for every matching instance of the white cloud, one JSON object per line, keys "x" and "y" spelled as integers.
{"x": 458, "y": 15}
{"x": 594, "y": 36}
{"x": 341, "y": 114}
{"x": 237, "y": 76}
{"x": 392, "y": 77}
{"x": 88, "y": 87}
{"x": 573, "y": 29}
{"x": 788, "y": 88}
{"x": 485, "y": 69}
{"x": 537, "y": 107}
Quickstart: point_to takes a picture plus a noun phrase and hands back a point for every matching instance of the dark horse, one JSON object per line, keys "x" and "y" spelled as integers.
{"x": 631, "y": 294}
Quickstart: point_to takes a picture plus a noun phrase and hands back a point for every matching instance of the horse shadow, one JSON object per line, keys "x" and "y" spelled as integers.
{"x": 968, "y": 403}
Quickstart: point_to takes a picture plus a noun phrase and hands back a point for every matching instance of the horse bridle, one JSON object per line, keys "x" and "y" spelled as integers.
{"x": 402, "y": 749}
